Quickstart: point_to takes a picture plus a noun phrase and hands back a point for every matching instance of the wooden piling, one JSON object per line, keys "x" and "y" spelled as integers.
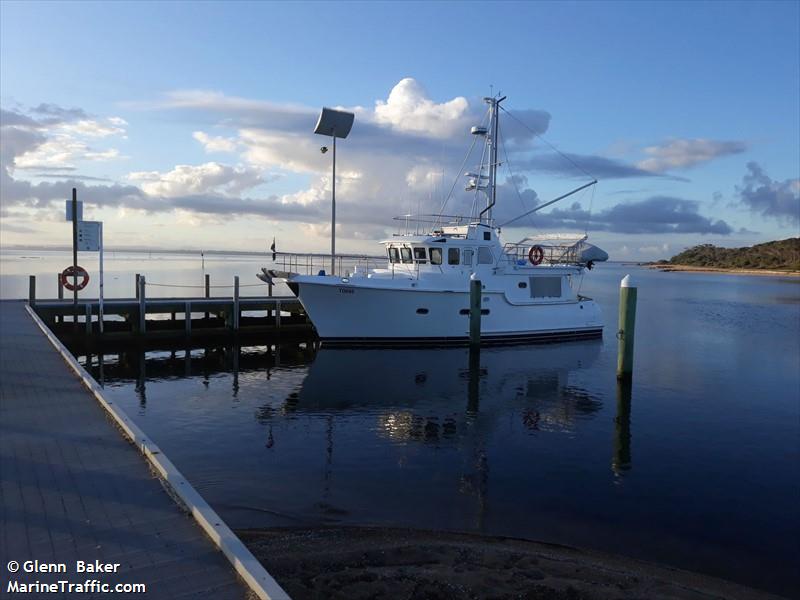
{"x": 208, "y": 288}
{"x": 236, "y": 311}
{"x": 138, "y": 277}
{"x": 88, "y": 313}
{"x": 475, "y": 293}
{"x": 627, "y": 325}
{"x": 60, "y": 289}
{"x": 277, "y": 314}
{"x": 142, "y": 305}
{"x": 32, "y": 290}
{"x": 188, "y": 319}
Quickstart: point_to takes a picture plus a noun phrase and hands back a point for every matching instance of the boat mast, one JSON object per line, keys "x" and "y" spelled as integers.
{"x": 494, "y": 142}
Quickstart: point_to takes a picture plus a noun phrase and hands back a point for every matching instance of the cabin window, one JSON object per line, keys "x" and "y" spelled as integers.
{"x": 545, "y": 287}
{"x": 422, "y": 311}
{"x": 419, "y": 256}
{"x": 467, "y": 258}
{"x": 394, "y": 255}
{"x": 405, "y": 254}
{"x": 452, "y": 256}
{"x": 487, "y": 235}
{"x": 436, "y": 256}
{"x": 485, "y": 256}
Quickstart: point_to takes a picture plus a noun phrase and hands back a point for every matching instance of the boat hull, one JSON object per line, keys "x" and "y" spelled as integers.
{"x": 358, "y": 315}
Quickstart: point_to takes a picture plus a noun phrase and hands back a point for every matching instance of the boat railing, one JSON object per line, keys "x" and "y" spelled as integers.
{"x": 423, "y": 224}
{"x": 311, "y": 264}
{"x": 552, "y": 254}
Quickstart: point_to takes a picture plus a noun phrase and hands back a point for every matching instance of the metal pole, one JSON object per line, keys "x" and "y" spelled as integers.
{"x": 475, "y": 293}
{"x": 100, "y": 308}
{"x": 60, "y": 287}
{"x": 627, "y": 324}
{"x": 333, "y": 211}
{"x": 137, "y": 285}
{"x": 32, "y": 290}
{"x": 75, "y": 257}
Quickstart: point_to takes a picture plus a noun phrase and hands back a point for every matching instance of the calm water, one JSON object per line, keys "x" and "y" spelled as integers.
{"x": 695, "y": 466}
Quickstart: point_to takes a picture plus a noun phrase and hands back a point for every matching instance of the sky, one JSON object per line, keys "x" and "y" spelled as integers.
{"x": 189, "y": 125}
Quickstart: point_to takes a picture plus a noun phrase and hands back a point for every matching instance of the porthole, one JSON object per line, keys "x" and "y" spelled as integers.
{"x": 422, "y": 311}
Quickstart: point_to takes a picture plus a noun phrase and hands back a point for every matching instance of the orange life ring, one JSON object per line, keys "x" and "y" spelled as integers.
{"x": 536, "y": 255}
{"x": 69, "y": 273}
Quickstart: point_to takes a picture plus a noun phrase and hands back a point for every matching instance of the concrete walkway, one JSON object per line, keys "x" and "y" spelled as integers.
{"x": 72, "y": 488}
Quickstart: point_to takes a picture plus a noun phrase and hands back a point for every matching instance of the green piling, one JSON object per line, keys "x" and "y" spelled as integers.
{"x": 627, "y": 325}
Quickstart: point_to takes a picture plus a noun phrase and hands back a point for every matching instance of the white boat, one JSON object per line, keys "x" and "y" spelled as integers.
{"x": 422, "y": 292}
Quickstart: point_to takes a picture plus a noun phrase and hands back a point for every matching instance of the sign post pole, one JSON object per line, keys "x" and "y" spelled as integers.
{"x": 75, "y": 257}
{"x": 100, "y": 313}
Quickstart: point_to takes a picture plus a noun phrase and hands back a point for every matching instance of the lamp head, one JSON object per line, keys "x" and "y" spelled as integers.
{"x": 324, "y": 149}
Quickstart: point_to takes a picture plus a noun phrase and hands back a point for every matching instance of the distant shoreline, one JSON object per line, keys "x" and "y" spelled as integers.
{"x": 689, "y": 269}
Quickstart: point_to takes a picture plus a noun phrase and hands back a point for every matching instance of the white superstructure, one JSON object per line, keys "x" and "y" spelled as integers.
{"x": 421, "y": 294}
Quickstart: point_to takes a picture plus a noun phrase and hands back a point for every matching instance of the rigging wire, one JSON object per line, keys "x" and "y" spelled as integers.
{"x": 461, "y": 169}
{"x": 513, "y": 180}
{"x": 565, "y": 156}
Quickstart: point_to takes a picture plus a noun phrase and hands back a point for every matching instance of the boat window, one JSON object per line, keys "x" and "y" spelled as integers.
{"x": 452, "y": 256}
{"x": 467, "y": 258}
{"x": 405, "y": 254}
{"x": 394, "y": 255}
{"x": 545, "y": 287}
{"x": 487, "y": 235}
{"x": 419, "y": 255}
{"x": 485, "y": 256}
{"x": 436, "y": 256}
{"x": 522, "y": 284}
{"x": 422, "y": 311}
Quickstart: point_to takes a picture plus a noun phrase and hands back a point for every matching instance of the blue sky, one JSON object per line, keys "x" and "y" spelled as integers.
{"x": 188, "y": 125}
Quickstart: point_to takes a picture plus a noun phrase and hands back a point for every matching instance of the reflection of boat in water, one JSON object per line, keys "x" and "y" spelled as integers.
{"x": 423, "y": 393}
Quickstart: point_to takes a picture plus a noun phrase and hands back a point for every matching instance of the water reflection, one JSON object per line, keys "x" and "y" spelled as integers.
{"x": 621, "y": 459}
{"x": 453, "y": 386}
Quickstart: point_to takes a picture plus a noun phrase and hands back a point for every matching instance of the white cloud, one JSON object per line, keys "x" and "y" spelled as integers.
{"x": 684, "y": 153}
{"x": 409, "y": 109}
{"x": 185, "y": 180}
{"x": 95, "y": 128}
{"x": 215, "y": 144}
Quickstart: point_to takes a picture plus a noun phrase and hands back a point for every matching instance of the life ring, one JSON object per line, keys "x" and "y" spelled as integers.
{"x": 69, "y": 273}
{"x": 536, "y": 255}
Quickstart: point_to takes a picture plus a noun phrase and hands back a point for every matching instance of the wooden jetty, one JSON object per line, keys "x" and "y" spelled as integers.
{"x": 178, "y": 319}
{"x": 74, "y": 490}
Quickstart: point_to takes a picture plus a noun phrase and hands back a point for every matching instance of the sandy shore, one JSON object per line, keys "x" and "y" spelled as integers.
{"x": 357, "y": 563}
{"x": 688, "y": 268}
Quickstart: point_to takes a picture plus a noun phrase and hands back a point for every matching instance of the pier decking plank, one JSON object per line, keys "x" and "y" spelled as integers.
{"x": 72, "y": 488}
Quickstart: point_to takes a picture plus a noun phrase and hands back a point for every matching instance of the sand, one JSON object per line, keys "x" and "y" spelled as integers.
{"x": 356, "y": 563}
{"x": 689, "y": 268}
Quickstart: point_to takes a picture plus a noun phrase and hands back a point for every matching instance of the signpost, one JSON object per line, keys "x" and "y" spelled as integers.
{"x": 90, "y": 239}
{"x": 87, "y": 236}
{"x": 74, "y": 214}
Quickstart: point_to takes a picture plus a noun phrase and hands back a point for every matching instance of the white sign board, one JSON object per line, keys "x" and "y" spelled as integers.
{"x": 69, "y": 210}
{"x": 89, "y": 236}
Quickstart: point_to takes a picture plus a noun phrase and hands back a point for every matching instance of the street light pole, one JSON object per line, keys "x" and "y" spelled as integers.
{"x": 334, "y": 123}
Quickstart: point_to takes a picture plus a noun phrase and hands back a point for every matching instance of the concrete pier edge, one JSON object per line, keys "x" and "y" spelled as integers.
{"x": 246, "y": 565}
